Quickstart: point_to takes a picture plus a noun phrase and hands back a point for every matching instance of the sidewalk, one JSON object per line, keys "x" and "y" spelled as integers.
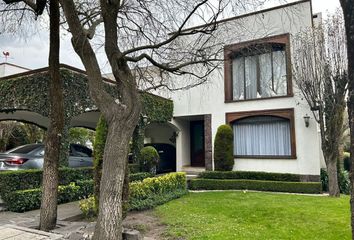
{"x": 23, "y": 225}
{"x": 12, "y": 232}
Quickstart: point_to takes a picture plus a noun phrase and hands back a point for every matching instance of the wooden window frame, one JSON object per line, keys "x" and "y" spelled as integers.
{"x": 229, "y": 52}
{"x": 287, "y": 113}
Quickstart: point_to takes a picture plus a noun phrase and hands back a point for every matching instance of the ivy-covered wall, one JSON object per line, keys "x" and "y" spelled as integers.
{"x": 29, "y": 91}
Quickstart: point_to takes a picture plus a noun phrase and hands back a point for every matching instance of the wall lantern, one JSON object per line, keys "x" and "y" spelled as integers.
{"x": 145, "y": 119}
{"x": 307, "y": 120}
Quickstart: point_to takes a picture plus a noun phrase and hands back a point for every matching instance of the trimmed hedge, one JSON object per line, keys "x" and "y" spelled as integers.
{"x": 147, "y": 194}
{"x": 237, "y": 184}
{"x": 11, "y": 181}
{"x": 134, "y": 167}
{"x": 139, "y": 176}
{"x": 25, "y": 200}
{"x": 286, "y": 177}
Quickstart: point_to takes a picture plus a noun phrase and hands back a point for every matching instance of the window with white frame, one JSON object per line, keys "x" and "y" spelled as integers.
{"x": 259, "y": 71}
{"x": 262, "y": 136}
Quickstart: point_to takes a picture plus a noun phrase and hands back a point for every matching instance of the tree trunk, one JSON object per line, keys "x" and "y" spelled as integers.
{"x": 348, "y": 10}
{"x": 109, "y": 222}
{"x": 333, "y": 187}
{"x": 48, "y": 215}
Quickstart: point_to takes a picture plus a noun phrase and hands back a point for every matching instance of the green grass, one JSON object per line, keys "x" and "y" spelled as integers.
{"x": 250, "y": 215}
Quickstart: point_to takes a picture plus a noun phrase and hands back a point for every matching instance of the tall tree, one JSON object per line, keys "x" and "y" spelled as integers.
{"x": 348, "y": 12}
{"x": 320, "y": 71}
{"x": 48, "y": 216}
{"x": 137, "y": 34}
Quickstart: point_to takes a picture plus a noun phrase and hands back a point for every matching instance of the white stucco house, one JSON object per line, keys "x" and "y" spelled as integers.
{"x": 253, "y": 92}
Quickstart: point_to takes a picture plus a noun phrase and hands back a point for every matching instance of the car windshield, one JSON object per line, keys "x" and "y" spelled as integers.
{"x": 24, "y": 149}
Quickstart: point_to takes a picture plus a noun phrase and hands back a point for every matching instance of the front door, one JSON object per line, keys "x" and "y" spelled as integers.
{"x": 197, "y": 143}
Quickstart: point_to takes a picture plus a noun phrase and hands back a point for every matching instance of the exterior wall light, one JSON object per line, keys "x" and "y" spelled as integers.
{"x": 145, "y": 119}
{"x": 307, "y": 120}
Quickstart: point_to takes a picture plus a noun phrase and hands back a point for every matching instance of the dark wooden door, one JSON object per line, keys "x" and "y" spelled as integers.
{"x": 197, "y": 143}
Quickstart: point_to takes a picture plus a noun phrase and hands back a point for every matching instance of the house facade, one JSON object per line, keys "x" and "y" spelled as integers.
{"x": 255, "y": 93}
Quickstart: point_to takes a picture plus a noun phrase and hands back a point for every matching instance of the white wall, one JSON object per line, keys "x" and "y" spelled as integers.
{"x": 209, "y": 97}
{"x": 10, "y": 69}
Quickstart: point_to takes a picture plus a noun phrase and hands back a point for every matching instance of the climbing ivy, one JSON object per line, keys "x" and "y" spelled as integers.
{"x": 30, "y": 92}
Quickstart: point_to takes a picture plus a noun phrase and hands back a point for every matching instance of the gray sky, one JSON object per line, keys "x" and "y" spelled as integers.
{"x": 32, "y": 52}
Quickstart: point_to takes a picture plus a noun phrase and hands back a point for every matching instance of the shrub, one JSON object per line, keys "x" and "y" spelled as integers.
{"x": 274, "y": 186}
{"x": 250, "y": 176}
{"x": 155, "y": 191}
{"x": 88, "y": 207}
{"x": 346, "y": 161}
{"x": 223, "y": 149}
{"x": 98, "y": 150}
{"x": 324, "y": 180}
{"x": 149, "y": 193}
{"x": 149, "y": 159}
{"x": 139, "y": 176}
{"x": 11, "y": 181}
{"x": 134, "y": 168}
{"x": 343, "y": 181}
{"x": 25, "y": 200}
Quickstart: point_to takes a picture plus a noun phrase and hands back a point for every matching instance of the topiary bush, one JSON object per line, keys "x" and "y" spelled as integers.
{"x": 149, "y": 159}
{"x": 223, "y": 149}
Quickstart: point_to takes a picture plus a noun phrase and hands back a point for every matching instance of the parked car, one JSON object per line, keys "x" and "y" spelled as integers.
{"x": 32, "y": 155}
{"x": 167, "y": 154}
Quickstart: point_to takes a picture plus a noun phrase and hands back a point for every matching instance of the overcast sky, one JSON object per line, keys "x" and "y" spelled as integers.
{"x": 32, "y": 52}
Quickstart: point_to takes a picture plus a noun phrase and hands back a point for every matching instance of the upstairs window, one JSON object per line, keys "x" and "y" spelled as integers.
{"x": 257, "y": 70}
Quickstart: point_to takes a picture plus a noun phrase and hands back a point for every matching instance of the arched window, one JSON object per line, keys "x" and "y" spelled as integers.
{"x": 262, "y": 136}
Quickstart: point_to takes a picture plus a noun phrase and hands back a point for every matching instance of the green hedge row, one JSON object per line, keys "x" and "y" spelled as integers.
{"x": 134, "y": 167}
{"x": 147, "y": 194}
{"x": 259, "y": 185}
{"x": 143, "y": 194}
{"x": 25, "y": 200}
{"x": 139, "y": 176}
{"x": 287, "y": 177}
{"x": 11, "y": 181}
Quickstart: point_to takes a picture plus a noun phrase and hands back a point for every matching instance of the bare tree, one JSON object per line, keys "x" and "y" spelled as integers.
{"x": 320, "y": 72}
{"x": 348, "y": 13}
{"x": 48, "y": 216}
{"x": 6, "y": 131}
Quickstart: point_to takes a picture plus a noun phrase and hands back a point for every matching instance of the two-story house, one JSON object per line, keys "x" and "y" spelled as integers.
{"x": 254, "y": 93}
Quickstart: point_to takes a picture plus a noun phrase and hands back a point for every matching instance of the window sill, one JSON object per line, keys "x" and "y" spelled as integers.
{"x": 259, "y": 99}
{"x": 265, "y": 157}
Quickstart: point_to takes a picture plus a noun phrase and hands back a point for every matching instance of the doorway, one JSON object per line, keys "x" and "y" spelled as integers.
{"x": 197, "y": 140}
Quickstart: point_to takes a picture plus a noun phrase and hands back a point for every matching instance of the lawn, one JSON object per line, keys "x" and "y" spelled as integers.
{"x": 250, "y": 215}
